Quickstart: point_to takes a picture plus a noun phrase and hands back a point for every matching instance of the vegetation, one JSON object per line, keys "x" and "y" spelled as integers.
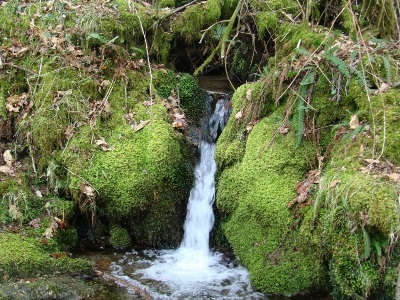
{"x": 96, "y": 109}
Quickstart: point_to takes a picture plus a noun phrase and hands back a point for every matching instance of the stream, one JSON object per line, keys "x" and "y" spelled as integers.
{"x": 192, "y": 271}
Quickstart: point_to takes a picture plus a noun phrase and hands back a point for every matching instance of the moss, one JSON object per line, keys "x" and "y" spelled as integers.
{"x": 57, "y": 287}
{"x": 231, "y": 143}
{"x": 119, "y": 237}
{"x": 354, "y": 220}
{"x": 254, "y": 194}
{"x": 23, "y": 257}
{"x": 289, "y": 35}
{"x": 196, "y": 18}
{"x": 144, "y": 177}
{"x": 383, "y": 115}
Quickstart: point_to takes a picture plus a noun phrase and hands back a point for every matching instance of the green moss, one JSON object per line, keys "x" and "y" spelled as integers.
{"x": 197, "y": 17}
{"x": 354, "y": 220}
{"x": 289, "y": 35}
{"x": 119, "y": 237}
{"x": 256, "y": 104}
{"x": 254, "y": 194}
{"x": 55, "y": 287}
{"x": 23, "y": 257}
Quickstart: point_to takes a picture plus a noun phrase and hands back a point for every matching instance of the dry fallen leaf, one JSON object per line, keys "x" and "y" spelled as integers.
{"x": 35, "y": 223}
{"x": 8, "y": 159}
{"x": 239, "y": 115}
{"x": 334, "y": 183}
{"x": 141, "y": 125}
{"x": 284, "y": 129}
{"x": 87, "y": 190}
{"x": 103, "y": 145}
{"x": 354, "y": 122}
{"x": 7, "y": 170}
{"x": 248, "y": 94}
{"x": 372, "y": 161}
{"x": 69, "y": 132}
{"x": 394, "y": 176}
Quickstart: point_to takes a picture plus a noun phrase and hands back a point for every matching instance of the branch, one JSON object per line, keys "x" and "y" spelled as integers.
{"x": 221, "y": 44}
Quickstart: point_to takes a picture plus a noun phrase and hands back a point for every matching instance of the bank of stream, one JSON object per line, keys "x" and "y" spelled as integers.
{"x": 192, "y": 271}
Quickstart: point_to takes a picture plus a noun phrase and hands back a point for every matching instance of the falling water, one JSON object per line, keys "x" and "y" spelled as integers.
{"x": 193, "y": 271}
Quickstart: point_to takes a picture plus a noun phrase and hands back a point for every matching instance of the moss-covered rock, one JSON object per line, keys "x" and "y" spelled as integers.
{"x": 23, "y": 257}
{"x": 261, "y": 230}
{"x": 355, "y": 215}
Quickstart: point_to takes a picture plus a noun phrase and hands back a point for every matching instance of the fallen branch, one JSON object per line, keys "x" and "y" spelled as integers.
{"x": 139, "y": 291}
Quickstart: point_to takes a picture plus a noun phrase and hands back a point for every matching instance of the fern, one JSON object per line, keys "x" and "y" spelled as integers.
{"x": 302, "y": 51}
{"x": 338, "y": 63}
{"x": 367, "y": 244}
{"x": 388, "y": 68}
{"x": 362, "y": 79}
{"x": 300, "y": 121}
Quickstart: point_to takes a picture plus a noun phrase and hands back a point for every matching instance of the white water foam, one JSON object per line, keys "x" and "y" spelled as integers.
{"x": 193, "y": 271}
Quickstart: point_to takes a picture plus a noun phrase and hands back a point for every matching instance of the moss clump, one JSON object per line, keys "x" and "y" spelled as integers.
{"x": 354, "y": 216}
{"x": 22, "y": 257}
{"x": 196, "y": 18}
{"x": 57, "y": 287}
{"x": 254, "y": 195}
{"x": 384, "y": 115}
{"x": 119, "y": 237}
{"x": 184, "y": 87}
{"x": 253, "y": 102}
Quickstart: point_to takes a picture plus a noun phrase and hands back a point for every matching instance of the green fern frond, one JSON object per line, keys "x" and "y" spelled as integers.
{"x": 388, "y": 68}
{"x": 362, "y": 79}
{"x": 367, "y": 244}
{"x": 303, "y": 51}
{"x": 338, "y": 63}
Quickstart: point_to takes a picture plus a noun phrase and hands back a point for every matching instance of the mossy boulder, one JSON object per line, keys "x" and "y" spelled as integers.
{"x": 253, "y": 195}
{"x": 355, "y": 216}
{"x": 22, "y": 257}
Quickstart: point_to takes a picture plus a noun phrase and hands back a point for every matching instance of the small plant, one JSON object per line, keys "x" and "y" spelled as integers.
{"x": 119, "y": 237}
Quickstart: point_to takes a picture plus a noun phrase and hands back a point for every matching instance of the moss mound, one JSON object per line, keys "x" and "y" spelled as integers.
{"x": 258, "y": 225}
{"x": 23, "y": 257}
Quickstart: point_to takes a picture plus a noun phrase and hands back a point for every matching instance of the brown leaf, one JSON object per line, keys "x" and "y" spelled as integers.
{"x": 239, "y": 115}
{"x": 372, "y": 161}
{"x": 248, "y": 94}
{"x": 69, "y": 132}
{"x": 354, "y": 122}
{"x": 141, "y": 125}
{"x": 334, "y": 183}
{"x": 7, "y": 170}
{"x": 35, "y": 223}
{"x": 284, "y": 129}
{"x": 8, "y": 159}
{"x": 103, "y": 145}
{"x": 148, "y": 103}
{"x": 87, "y": 190}
{"x": 179, "y": 124}
{"x": 394, "y": 176}
{"x": 179, "y": 116}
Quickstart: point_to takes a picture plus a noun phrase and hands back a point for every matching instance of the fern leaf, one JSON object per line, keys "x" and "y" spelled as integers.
{"x": 388, "y": 68}
{"x": 338, "y": 63}
{"x": 367, "y": 244}
{"x": 362, "y": 79}
{"x": 302, "y": 51}
{"x": 300, "y": 114}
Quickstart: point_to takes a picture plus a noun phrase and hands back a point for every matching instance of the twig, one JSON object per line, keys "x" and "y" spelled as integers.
{"x": 147, "y": 48}
{"x": 80, "y": 177}
{"x": 20, "y": 68}
{"x": 173, "y": 12}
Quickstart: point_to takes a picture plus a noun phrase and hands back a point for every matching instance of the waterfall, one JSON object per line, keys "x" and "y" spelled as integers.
{"x": 200, "y": 216}
{"x": 193, "y": 271}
